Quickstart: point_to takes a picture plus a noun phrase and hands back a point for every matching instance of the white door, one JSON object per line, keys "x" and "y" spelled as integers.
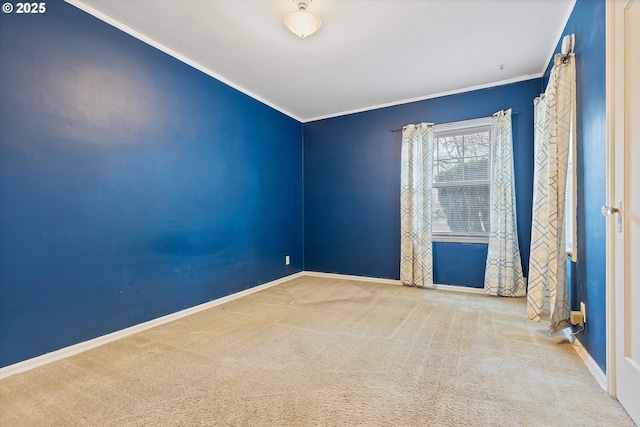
{"x": 623, "y": 228}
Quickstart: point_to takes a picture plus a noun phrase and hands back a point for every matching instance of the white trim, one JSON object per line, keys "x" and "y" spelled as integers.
{"x": 35, "y": 362}
{"x": 465, "y": 289}
{"x": 471, "y": 124}
{"x": 558, "y": 37}
{"x": 451, "y": 238}
{"x": 591, "y": 364}
{"x": 134, "y": 33}
{"x": 65, "y": 352}
{"x": 351, "y": 277}
{"x": 425, "y": 97}
{"x": 610, "y": 197}
{"x": 336, "y": 276}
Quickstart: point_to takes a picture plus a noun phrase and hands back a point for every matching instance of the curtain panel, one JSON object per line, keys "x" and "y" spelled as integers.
{"x": 503, "y": 272}
{"x": 416, "y": 185}
{"x": 554, "y": 128}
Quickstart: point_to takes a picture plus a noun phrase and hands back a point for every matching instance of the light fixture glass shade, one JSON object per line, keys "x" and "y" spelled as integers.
{"x": 302, "y": 23}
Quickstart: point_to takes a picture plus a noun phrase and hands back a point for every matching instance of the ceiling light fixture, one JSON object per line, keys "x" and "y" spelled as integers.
{"x": 302, "y": 22}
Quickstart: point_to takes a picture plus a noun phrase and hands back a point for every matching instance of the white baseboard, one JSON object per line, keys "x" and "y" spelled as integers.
{"x": 350, "y": 277}
{"x": 44, "y": 359}
{"x": 464, "y": 289}
{"x": 104, "y": 339}
{"x": 591, "y": 364}
{"x": 390, "y": 281}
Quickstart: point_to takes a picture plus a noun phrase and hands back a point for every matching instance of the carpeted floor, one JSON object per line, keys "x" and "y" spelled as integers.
{"x": 317, "y": 351}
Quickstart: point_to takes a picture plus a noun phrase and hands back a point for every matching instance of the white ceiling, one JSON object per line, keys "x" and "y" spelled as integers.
{"x": 366, "y": 54}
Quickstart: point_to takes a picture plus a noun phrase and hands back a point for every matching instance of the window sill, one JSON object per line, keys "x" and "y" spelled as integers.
{"x": 461, "y": 239}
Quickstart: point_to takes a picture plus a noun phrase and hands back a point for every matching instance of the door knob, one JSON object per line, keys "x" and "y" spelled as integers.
{"x": 610, "y": 210}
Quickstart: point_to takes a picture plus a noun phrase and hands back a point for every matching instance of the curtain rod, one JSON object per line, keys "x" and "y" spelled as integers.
{"x": 400, "y": 129}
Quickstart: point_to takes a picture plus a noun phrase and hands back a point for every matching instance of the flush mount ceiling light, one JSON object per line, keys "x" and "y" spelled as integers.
{"x": 302, "y": 22}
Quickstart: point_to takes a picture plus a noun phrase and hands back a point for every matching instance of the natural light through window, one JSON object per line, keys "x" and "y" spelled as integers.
{"x": 461, "y": 182}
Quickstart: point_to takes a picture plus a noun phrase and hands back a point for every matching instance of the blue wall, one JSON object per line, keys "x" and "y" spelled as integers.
{"x": 352, "y": 185}
{"x": 588, "y": 276}
{"x": 131, "y": 185}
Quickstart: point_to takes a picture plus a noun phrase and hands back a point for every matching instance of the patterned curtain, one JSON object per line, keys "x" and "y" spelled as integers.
{"x": 503, "y": 273}
{"x": 416, "y": 183}
{"x": 554, "y": 121}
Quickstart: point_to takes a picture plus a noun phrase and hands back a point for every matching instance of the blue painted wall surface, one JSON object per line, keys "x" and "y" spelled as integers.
{"x": 131, "y": 185}
{"x": 588, "y": 276}
{"x": 352, "y": 185}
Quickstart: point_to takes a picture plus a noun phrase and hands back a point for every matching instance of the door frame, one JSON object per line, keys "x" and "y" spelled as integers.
{"x": 614, "y": 89}
{"x": 611, "y": 105}
{"x": 610, "y": 161}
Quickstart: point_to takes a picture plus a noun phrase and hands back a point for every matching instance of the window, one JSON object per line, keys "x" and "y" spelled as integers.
{"x": 461, "y": 181}
{"x": 570, "y": 198}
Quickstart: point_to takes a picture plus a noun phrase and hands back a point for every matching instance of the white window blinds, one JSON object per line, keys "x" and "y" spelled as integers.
{"x": 461, "y": 178}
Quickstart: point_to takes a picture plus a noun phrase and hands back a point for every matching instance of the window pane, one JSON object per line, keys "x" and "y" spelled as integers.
{"x": 461, "y": 157}
{"x": 461, "y": 209}
{"x": 449, "y": 152}
{"x": 461, "y": 183}
{"x": 476, "y": 160}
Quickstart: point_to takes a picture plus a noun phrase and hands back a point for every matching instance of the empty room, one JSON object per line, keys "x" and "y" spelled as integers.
{"x": 319, "y": 212}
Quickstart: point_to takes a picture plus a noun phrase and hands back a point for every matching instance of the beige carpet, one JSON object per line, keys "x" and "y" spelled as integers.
{"x": 325, "y": 352}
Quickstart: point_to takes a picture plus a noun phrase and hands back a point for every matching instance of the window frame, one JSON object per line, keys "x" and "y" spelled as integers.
{"x": 571, "y": 197}
{"x": 456, "y": 128}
